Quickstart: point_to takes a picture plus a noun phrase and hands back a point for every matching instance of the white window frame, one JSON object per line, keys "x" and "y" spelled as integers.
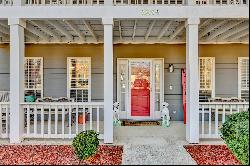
{"x": 239, "y": 76}
{"x": 212, "y": 89}
{"x": 69, "y": 78}
{"x": 41, "y": 73}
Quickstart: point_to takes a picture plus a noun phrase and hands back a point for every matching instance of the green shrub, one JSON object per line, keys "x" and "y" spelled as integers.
{"x": 85, "y": 144}
{"x": 235, "y": 132}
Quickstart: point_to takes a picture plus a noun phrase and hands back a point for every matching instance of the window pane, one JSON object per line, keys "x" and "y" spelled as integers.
{"x": 33, "y": 82}
{"x": 206, "y": 77}
{"x": 79, "y": 77}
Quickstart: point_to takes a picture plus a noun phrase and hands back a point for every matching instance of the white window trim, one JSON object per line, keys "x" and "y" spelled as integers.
{"x": 42, "y": 85}
{"x": 213, "y": 75}
{"x": 239, "y": 74}
{"x": 68, "y": 76}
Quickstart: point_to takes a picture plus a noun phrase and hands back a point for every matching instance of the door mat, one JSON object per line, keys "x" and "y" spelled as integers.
{"x": 141, "y": 123}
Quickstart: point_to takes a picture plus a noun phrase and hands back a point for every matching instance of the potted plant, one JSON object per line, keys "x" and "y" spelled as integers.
{"x": 82, "y": 118}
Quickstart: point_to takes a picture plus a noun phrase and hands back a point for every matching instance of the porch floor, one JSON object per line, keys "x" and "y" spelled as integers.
{"x": 123, "y": 135}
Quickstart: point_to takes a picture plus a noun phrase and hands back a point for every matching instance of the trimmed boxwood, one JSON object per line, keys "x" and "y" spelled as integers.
{"x": 235, "y": 132}
{"x": 85, "y": 144}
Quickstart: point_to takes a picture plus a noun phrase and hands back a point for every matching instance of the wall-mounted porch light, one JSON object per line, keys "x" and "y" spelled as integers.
{"x": 171, "y": 68}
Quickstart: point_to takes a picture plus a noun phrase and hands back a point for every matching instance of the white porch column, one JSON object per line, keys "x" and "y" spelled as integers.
{"x": 16, "y": 78}
{"x": 192, "y": 70}
{"x": 108, "y": 79}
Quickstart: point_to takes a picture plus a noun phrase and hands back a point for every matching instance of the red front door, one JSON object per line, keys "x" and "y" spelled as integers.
{"x": 140, "y": 88}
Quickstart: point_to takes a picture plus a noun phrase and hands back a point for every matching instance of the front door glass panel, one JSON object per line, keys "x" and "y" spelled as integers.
{"x": 140, "y": 88}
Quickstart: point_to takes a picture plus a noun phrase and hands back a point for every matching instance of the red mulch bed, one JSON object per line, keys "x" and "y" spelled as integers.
{"x": 57, "y": 155}
{"x": 212, "y": 155}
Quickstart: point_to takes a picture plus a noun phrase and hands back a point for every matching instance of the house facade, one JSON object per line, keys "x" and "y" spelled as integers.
{"x": 71, "y": 65}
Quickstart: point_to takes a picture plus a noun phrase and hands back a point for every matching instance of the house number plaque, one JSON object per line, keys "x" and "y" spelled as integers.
{"x": 150, "y": 12}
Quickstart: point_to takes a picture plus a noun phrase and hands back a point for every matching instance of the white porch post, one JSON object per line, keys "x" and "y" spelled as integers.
{"x": 16, "y": 78}
{"x": 108, "y": 79}
{"x": 192, "y": 94}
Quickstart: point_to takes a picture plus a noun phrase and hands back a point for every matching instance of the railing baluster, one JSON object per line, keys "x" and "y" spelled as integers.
{"x": 28, "y": 119}
{"x": 98, "y": 119}
{"x": 216, "y": 120}
{"x": 245, "y": 107}
{"x": 35, "y": 119}
{"x": 91, "y": 115}
{"x": 42, "y": 118}
{"x": 70, "y": 119}
{"x": 49, "y": 121}
{"x": 224, "y": 113}
{"x": 231, "y": 109}
{"x": 63, "y": 118}
{"x": 84, "y": 124}
{"x": 7, "y": 120}
{"x": 202, "y": 121}
{"x": 238, "y": 108}
{"x": 56, "y": 120}
{"x": 209, "y": 121}
{"x": 76, "y": 121}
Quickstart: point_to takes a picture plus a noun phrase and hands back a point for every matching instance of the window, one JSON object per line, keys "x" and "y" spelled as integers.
{"x": 33, "y": 80}
{"x": 243, "y": 78}
{"x": 79, "y": 78}
{"x": 158, "y": 79}
{"x": 207, "y": 78}
{"x": 122, "y": 83}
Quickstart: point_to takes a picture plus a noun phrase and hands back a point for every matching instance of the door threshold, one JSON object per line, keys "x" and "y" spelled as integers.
{"x": 141, "y": 120}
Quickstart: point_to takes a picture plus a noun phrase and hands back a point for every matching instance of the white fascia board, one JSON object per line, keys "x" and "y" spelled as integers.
{"x": 68, "y": 12}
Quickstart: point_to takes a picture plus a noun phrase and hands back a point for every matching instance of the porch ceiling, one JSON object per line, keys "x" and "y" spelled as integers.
{"x": 130, "y": 31}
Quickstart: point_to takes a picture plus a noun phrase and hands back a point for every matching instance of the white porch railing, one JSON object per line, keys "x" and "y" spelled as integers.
{"x": 213, "y": 115}
{"x": 4, "y": 119}
{"x": 125, "y": 2}
{"x": 221, "y": 2}
{"x": 180, "y": 2}
{"x": 6, "y": 2}
{"x": 60, "y": 120}
{"x": 64, "y": 2}
{"x": 149, "y": 2}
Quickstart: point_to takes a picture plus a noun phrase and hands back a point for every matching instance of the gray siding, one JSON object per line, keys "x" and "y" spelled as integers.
{"x": 55, "y": 57}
